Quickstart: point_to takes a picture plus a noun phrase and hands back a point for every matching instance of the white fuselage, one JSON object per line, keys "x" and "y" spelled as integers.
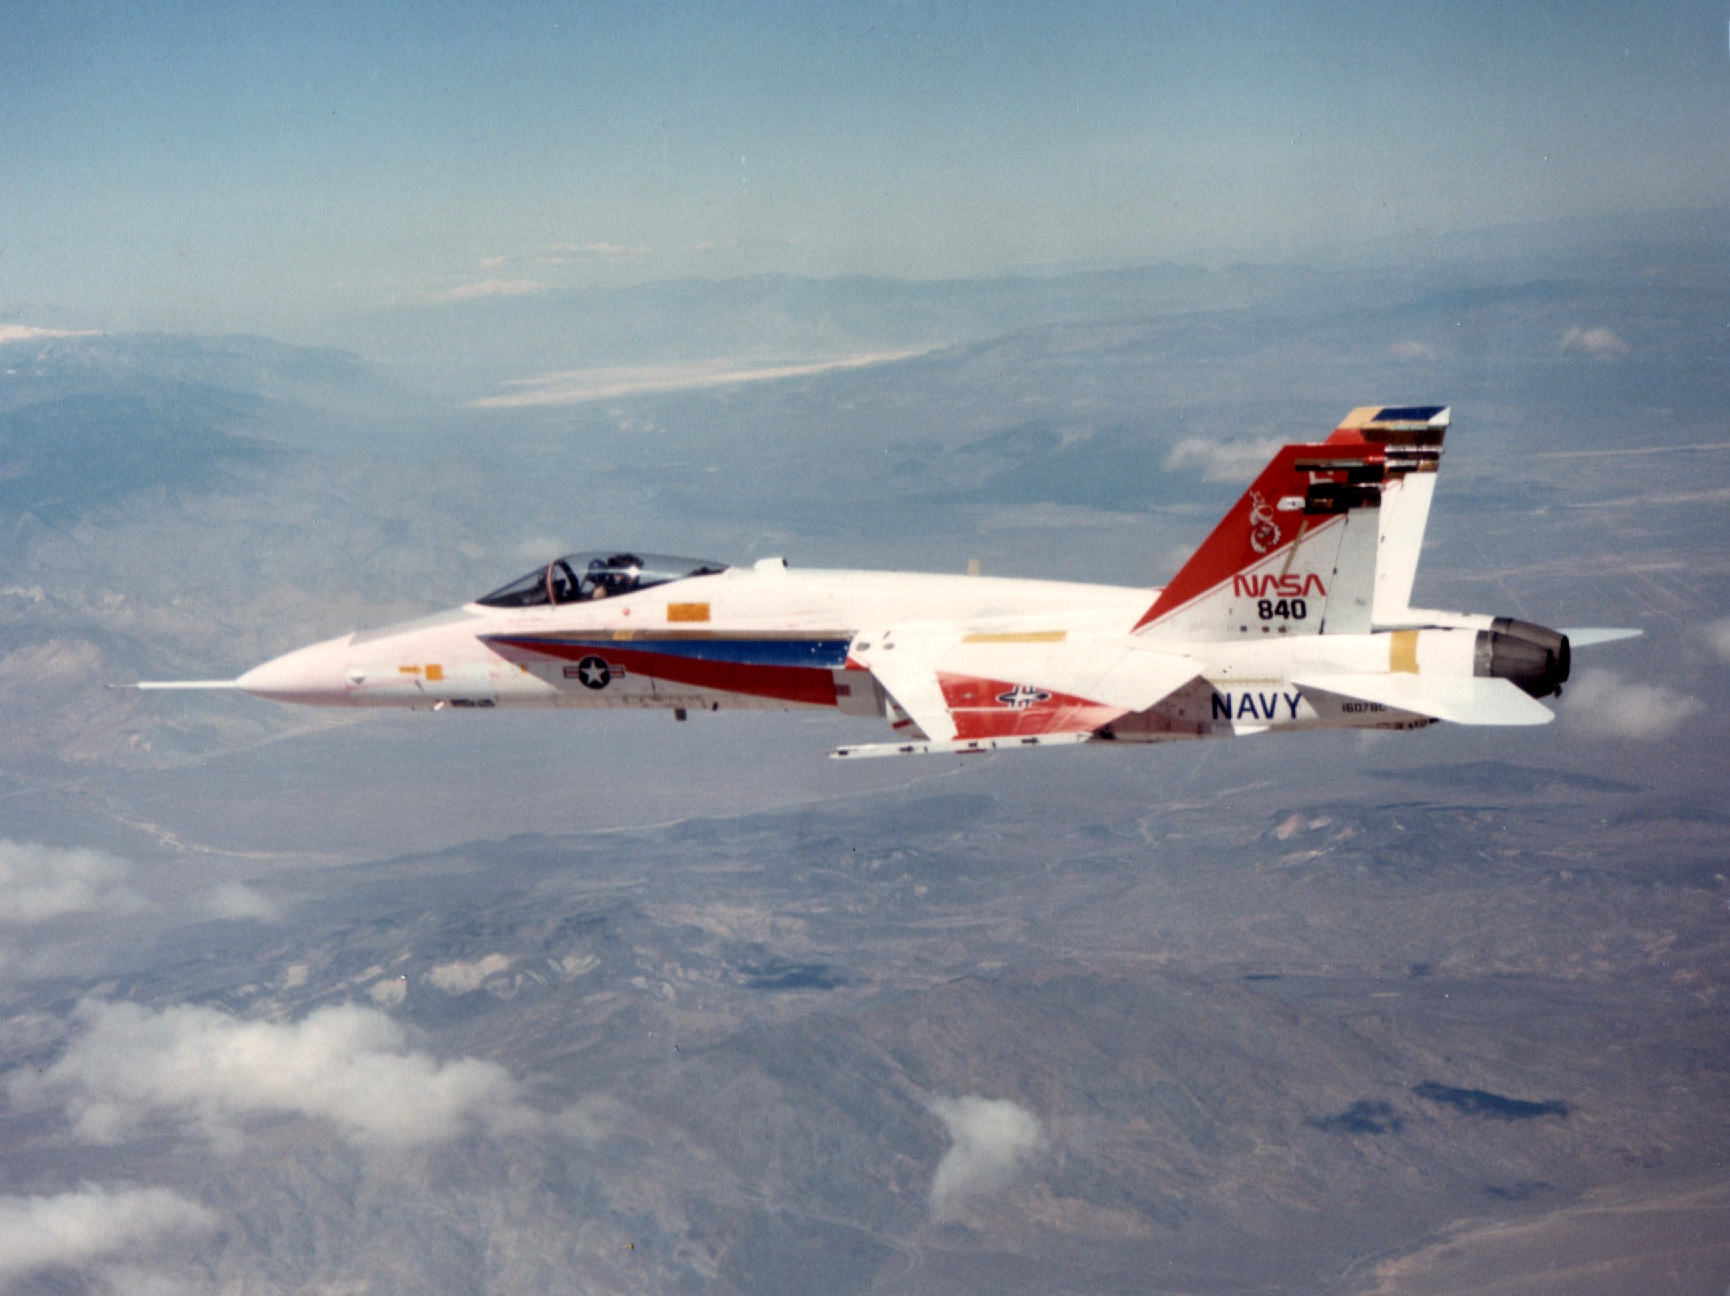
{"x": 771, "y": 637}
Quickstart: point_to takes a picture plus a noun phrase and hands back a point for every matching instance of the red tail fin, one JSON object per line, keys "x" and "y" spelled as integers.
{"x": 1280, "y": 561}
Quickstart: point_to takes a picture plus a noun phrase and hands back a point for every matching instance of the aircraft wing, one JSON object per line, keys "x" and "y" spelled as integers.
{"x": 1464, "y": 700}
{"x": 972, "y": 692}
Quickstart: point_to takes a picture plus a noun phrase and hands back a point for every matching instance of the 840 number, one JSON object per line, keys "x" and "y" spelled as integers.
{"x": 1282, "y": 609}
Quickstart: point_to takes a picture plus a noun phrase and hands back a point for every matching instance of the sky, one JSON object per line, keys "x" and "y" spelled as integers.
{"x": 289, "y": 169}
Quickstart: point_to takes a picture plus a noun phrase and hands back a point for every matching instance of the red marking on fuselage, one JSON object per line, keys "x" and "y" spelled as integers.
{"x": 808, "y": 686}
{"x": 979, "y": 710}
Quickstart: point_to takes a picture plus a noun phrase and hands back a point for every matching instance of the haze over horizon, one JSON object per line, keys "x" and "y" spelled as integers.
{"x": 309, "y": 172}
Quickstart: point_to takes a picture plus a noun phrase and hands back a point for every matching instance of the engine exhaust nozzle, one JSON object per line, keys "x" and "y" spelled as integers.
{"x": 1532, "y": 656}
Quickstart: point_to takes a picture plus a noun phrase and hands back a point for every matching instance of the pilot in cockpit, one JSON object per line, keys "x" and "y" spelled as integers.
{"x": 615, "y": 575}
{"x": 576, "y": 577}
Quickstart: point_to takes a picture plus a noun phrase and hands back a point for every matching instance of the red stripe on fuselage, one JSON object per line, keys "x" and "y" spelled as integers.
{"x": 801, "y": 684}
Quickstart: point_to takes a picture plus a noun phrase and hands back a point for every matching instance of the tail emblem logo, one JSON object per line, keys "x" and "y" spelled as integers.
{"x": 1264, "y": 533}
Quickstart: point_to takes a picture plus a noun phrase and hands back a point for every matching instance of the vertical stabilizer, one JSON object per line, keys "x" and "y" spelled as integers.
{"x": 1410, "y": 438}
{"x": 1296, "y": 555}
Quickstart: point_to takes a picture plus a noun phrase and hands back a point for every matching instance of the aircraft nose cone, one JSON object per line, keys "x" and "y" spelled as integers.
{"x": 317, "y": 674}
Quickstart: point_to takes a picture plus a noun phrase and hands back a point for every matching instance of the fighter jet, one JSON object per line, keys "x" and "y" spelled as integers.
{"x": 1294, "y": 614}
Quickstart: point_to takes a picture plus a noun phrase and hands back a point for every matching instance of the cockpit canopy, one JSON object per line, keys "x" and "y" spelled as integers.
{"x": 580, "y": 576}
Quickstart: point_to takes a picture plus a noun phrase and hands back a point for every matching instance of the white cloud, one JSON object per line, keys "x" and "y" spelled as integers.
{"x": 56, "y": 664}
{"x": 30, "y": 333}
{"x": 89, "y": 1224}
{"x": 1599, "y": 343}
{"x": 1603, "y": 704}
{"x": 41, "y": 882}
{"x": 477, "y": 291}
{"x": 491, "y": 288}
{"x": 458, "y": 977}
{"x": 237, "y": 901}
{"x": 347, "y": 1064}
{"x": 588, "y": 1120}
{"x": 566, "y": 253}
{"x": 1220, "y": 460}
{"x": 1718, "y": 635}
{"x": 1414, "y": 350}
{"x": 988, "y": 1139}
{"x": 576, "y": 965}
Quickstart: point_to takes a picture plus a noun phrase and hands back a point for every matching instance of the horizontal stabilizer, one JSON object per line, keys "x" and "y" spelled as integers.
{"x": 1586, "y": 638}
{"x": 1468, "y": 700}
{"x": 974, "y": 687}
{"x": 965, "y": 747}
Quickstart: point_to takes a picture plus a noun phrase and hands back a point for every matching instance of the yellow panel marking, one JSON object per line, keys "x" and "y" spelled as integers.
{"x": 1292, "y": 552}
{"x": 1023, "y": 636}
{"x": 408, "y": 670}
{"x": 687, "y": 612}
{"x": 1403, "y": 652}
{"x": 434, "y": 671}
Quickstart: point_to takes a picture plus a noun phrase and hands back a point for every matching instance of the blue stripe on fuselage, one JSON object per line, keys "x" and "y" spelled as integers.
{"x": 817, "y": 654}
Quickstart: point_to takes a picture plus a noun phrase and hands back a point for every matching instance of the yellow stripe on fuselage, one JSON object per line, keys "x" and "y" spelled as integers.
{"x": 1403, "y": 652}
{"x": 1024, "y": 636}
